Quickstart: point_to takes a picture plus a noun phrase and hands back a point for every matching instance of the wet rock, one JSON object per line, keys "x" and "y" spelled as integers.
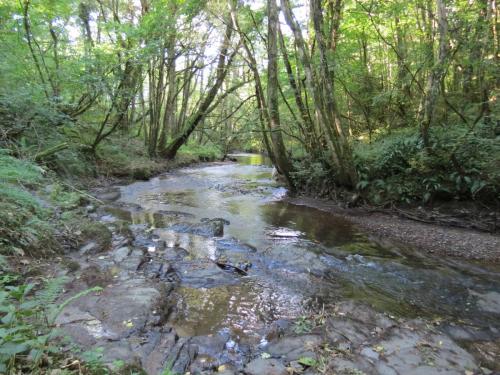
{"x": 133, "y": 261}
{"x": 295, "y": 347}
{"x": 120, "y": 254}
{"x": 277, "y": 329}
{"x": 210, "y": 345}
{"x": 175, "y": 214}
{"x": 225, "y": 370}
{"x": 94, "y": 238}
{"x": 94, "y": 276}
{"x": 233, "y": 245}
{"x": 262, "y": 366}
{"x": 109, "y": 195}
{"x": 489, "y": 301}
{"x": 223, "y": 221}
{"x": 207, "y": 229}
{"x": 204, "y": 275}
{"x": 156, "y": 347}
{"x": 159, "y": 270}
{"x": 181, "y": 356}
{"x": 203, "y": 364}
{"x": 410, "y": 352}
{"x": 370, "y": 353}
{"x": 292, "y": 257}
{"x": 89, "y": 248}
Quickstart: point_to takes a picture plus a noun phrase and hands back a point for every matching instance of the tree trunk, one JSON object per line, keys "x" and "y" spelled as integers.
{"x": 436, "y": 76}
{"x": 222, "y": 69}
{"x": 283, "y": 164}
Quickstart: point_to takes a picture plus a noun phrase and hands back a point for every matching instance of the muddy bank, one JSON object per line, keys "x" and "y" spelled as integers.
{"x": 430, "y": 238}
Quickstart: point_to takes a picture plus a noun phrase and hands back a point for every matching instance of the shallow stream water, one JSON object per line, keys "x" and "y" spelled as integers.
{"x": 299, "y": 258}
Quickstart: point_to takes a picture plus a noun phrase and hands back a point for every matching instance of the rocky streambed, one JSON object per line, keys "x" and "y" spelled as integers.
{"x": 210, "y": 271}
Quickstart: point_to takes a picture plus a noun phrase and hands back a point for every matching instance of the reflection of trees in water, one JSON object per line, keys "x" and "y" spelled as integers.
{"x": 244, "y": 308}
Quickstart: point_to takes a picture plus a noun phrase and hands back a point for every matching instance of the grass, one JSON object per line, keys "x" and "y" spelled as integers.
{"x": 23, "y": 220}
{"x": 206, "y": 152}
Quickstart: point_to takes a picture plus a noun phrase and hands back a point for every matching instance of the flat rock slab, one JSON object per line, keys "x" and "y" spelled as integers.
{"x": 262, "y": 366}
{"x": 373, "y": 343}
{"x": 294, "y": 348}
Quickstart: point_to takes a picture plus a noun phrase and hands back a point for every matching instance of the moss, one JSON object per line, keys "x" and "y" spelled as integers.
{"x": 72, "y": 265}
{"x": 13, "y": 170}
{"x": 96, "y": 232}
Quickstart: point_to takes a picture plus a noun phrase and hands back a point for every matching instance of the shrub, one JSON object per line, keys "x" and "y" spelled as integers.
{"x": 461, "y": 164}
{"x": 26, "y": 323}
{"x": 23, "y": 225}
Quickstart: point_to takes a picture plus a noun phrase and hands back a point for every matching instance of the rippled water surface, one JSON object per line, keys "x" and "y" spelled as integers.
{"x": 300, "y": 257}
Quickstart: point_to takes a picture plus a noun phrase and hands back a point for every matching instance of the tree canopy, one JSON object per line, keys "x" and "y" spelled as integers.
{"x": 394, "y": 99}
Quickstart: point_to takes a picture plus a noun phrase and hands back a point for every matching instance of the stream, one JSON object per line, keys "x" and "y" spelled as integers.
{"x": 246, "y": 263}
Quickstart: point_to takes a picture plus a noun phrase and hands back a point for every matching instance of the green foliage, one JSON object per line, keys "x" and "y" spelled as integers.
{"x": 311, "y": 174}
{"x": 23, "y": 225}
{"x": 460, "y": 165}
{"x": 64, "y": 198}
{"x": 28, "y": 313}
{"x": 205, "y": 152}
{"x": 93, "y": 231}
{"x": 13, "y": 170}
{"x": 124, "y": 156}
{"x": 304, "y": 324}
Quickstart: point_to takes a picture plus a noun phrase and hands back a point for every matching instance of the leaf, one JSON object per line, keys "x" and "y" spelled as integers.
{"x": 11, "y": 348}
{"x": 307, "y": 361}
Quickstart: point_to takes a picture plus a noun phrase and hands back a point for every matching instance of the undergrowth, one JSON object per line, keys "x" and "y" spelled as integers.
{"x": 462, "y": 164}
{"x": 23, "y": 219}
{"x": 27, "y": 332}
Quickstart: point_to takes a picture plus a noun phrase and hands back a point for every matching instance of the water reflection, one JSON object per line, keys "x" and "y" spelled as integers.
{"x": 252, "y": 159}
{"x": 300, "y": 254}
{"x": 245, "y": 308}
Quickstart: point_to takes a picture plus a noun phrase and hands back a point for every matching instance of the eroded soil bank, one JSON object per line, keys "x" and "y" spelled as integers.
{"x": 211, "y": 271}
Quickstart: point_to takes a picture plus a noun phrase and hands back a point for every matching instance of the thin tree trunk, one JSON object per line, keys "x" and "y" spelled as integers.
{"x": 221, "y": 72}
{"x": 436, "y": 76}
{"x": 283, "y": 164}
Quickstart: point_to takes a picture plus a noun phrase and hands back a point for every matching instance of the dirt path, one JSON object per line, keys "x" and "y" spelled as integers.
{"x": 441, "y": 240}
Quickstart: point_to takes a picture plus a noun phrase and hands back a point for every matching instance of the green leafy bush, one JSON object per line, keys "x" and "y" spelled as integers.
{"x": 206, "y": 152}
{"x": 23, "y": 220}
{"x": 26, "y": 322}
{"x": 461, "y": 164}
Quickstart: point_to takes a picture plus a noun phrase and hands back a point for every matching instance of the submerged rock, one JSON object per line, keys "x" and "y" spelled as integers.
{"x": 211, "y": 228}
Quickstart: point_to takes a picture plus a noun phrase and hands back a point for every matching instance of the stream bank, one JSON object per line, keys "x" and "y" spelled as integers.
{"x": 432, "y": 238}
{"x": 316, "y": 295}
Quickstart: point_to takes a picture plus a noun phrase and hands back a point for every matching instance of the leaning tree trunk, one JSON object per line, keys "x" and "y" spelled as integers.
{"x": 222, "y": 68}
